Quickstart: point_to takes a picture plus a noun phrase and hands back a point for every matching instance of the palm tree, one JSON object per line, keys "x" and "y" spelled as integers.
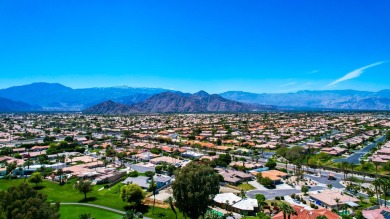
{"x": 377, "y": 187}
{"x": 352, "y": 166}
{"x": 287, "y": 210}
{"x": 152, "y": 188}
{"x": 385, "y": 187}
{"x": 337, "y": 200}
{"x": 344, "y": 167}
{"x": 260, "y": 201}
{"x": 60, "y": 172}
{"x": 169, "y": 201}
{"x": 376, "y": 169}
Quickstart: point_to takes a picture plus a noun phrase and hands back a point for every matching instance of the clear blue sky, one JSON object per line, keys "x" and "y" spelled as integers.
{"x": 252, "y": 45}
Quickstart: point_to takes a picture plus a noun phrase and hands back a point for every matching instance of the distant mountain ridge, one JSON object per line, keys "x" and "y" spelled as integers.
{"x": 57, "y": 97}
{"x": 328, "y": 99}
{"x": 177, "y": 102}
{"x": 7, "y": 105}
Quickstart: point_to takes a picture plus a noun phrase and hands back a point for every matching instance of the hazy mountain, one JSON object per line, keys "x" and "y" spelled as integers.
{"x": 7, "y": 105}
{"x": 110, "y": 107}
{"x": 177, "y": 102}
{"x": 329, "y": 99}
{"x": 59, "y": 97}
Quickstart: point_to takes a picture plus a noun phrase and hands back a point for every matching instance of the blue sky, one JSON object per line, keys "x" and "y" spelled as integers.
{"x": 252, "y": 45}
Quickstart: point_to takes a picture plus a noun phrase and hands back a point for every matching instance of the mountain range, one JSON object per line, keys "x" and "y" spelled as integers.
{"x": 177, "y": 102}
{"x": 57, "y": 97}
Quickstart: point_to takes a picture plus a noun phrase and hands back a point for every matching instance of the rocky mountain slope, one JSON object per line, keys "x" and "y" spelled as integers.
{"x": 176, "y": 102}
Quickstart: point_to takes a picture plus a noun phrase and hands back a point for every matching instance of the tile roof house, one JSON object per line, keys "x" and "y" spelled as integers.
{"x": 377, "y": 213}
{"x": 328, "y": 198}
{"x": 302, "y": 213}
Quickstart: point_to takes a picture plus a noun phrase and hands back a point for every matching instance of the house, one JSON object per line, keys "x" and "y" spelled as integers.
{"x": 162, "y": 180}
{"x": 142, "y": 181}
{"x": 165, "y": 159}
{"x": 302, "y": 213}
{"x": 328, "y": 198}
{"x": 223, "y": 200}
{"x": 110, "y": 177}
{"x": 248, "y": 206}
{"x": 377, "y": 212}
{"x": 275, "y": 175}
{"x": 142, "y": 168}
{"x": 192, "y": 154}
{"x": 233, "y": 177}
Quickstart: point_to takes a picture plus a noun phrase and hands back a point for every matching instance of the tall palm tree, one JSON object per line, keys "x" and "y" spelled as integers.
{"x": 385, "y": 187}
{"x": 377, "y": 187}
{"x": 352, "y": 166}
{"x": 344, "y": 167}
{"x": 169, "y": 201}
{"x": 152, "y": 188}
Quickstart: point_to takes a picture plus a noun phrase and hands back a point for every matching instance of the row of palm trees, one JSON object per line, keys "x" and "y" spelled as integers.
{"x": 382, "y": 188}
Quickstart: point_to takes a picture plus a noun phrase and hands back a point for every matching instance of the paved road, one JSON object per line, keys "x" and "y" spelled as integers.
{"x": 355, "y": 157}
{"x": 324, "y": 180}
{"x": 271, "y": 194}
{"x": 97, "y": 206}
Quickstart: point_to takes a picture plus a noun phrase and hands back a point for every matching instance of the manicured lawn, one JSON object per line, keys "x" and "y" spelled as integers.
{"x": 109, "y": 198}
{"x": 163, "y": 213}
{"x": 66, "y": 193}
{"x": 246, "y": 186}
{"x": 73, "y": 211}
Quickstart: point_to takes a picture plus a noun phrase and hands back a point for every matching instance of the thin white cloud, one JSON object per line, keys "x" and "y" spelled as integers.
{"x": 353, "y": 74}
{"x": 312, "y": 72}
{"x": 288, "y": 84}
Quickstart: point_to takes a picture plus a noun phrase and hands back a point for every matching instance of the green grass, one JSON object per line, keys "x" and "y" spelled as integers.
{"x": 246, "y": 186}
{"x": 73, "y": 211}
{"x": 66, "y": 193}
{"x": 163, "y": 213}
{"x": 109, "y": 198}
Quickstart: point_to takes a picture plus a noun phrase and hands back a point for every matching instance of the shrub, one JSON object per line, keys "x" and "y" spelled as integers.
{"x": 282, "y": 197}
{"x": 277, "y": 198}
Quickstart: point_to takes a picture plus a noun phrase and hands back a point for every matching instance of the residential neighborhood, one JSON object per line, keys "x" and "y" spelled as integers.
{"x": 268, "y": 165}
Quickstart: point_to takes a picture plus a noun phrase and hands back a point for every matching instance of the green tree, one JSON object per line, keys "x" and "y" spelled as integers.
{"x": 133, "y": 194}
{"x": 84, "y": 186}
{"x": 194, "y": 189}
{"x": 321, "y": 217}
{"x": 59, "y": 173}
{"x": 266, "y": 181}
{"x": 260, "y": 201}
{"x": 304, "y": 189}
{"x": 22, "y": 201}
{"x": 36, "y": 178}
{"x": 271, "y": 164}
{"x": 169, "y": 201}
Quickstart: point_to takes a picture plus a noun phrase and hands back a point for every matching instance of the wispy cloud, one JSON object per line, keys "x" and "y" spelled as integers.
{"x": 313, "y": 72}
{"x": 353, "y": 74}
{"x": 288, "y": 84}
